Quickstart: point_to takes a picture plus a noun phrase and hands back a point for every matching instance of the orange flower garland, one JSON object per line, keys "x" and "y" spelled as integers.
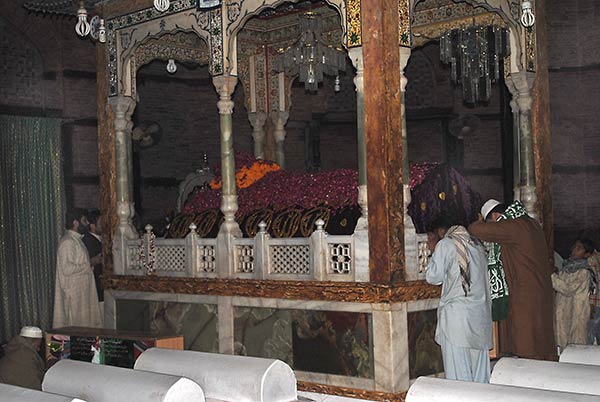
{"x": 247, "y": 176}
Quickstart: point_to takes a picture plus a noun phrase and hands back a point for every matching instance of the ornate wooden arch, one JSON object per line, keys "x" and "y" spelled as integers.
{"x": 127, "y": 32}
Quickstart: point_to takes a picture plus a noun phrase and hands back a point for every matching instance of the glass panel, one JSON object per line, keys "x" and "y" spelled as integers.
{"x": 196, "y": 322}
{"x": 329, "y": 342}
{"x": 424, "y": 356}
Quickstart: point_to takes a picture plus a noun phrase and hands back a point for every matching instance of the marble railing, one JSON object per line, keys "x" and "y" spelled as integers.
{"x": 321, "y": 257}
{"x": 423, "y": 255}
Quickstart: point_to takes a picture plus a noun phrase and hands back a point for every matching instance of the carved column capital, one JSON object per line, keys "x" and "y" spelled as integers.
{"x": 225, "y": 85}
{"x": 279, "y": 119}
{"x": 356, "y": 57}
{"x": 404, "y": 56}
{"x": 122, "y": 107}
{"x": 257, "y": 121}
{"x": 520, "y": 85}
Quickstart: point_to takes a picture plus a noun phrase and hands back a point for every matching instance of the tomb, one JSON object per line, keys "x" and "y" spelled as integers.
{"x": 349, "y": 312}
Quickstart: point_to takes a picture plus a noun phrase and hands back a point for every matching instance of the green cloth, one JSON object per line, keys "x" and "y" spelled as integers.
{"x": 498, "y": 286}
{"x": 31, "y": 220}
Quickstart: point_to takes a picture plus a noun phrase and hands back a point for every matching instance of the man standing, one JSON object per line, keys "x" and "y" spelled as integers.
{"x": 528, "y": 330}
{"x": 22, "y": 365}
{"x": 93, "y": 244}
{"x": 464, "y": 327}
{"x": 75, "y": 298}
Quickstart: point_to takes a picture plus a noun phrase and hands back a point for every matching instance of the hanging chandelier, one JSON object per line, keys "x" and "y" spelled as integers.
{"x": 475, "y": 55}
{"x": 310, "y": 58}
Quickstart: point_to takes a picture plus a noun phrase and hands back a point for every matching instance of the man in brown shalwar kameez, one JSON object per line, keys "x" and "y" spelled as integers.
{"x": 528, "y": 330}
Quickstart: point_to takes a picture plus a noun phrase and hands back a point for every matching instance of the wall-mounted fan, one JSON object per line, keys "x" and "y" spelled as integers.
{"x": 464, "y": 126}
{"x": 147, "y": 134}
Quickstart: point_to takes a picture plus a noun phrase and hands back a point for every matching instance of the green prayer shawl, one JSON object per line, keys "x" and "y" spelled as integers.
{"x": 498, "y": 285}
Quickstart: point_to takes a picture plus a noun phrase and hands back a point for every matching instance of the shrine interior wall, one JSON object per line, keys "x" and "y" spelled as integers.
{"x": 47, "y": 71}
{"x": 574, "y": 71}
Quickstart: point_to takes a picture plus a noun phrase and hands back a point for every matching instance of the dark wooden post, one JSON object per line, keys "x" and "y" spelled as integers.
{"x": 381, "y": 57}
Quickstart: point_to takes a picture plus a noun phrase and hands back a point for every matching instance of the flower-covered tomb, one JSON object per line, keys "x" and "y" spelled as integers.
{"x": 321, "y": 268}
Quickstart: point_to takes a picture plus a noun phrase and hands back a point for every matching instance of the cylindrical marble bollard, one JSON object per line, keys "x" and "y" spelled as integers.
{"x": 99, "y": 383}
{"x": 225, "y": 377}
{"x": 581, "y": 354}
{"x": 564, "y": 377}
{"x": 427, "y": 389}
{"x": 10, "y": 393}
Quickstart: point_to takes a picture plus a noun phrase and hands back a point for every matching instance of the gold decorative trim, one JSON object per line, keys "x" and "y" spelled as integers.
{"x": 530, "y": 49}
{"x": 404, "y": 23}
{"x": 351, "y": 392}
{"x": 357, "y": 292}
{"x": 425, "y": 33}
{"x": 353, "y": 18}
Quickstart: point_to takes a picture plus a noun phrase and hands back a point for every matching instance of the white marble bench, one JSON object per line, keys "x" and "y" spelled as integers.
{"x": 554, "y": 376}
{"x": 10, "y": 393}
{"x": 427, "y": 389}
{"x": 99, "y": 383}
{"x": 581, "y": 354}
{"x": 225, "y": 377}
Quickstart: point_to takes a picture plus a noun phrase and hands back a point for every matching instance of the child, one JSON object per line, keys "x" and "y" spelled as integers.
{"x": 573, "y": 283}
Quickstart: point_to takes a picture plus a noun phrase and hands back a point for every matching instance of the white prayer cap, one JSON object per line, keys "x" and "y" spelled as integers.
{"x": 488, "y": 206}
{"x": 31, "y": 332}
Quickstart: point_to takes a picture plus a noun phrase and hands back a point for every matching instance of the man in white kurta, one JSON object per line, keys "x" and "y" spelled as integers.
{"x": 464, "y": 327}
{"x": 75, "y": 298}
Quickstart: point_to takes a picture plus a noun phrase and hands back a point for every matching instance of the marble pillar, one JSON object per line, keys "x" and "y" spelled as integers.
{"x": 356, "y": 56}
{"x": 122, "y": 108}
{"x": 411, "y": 249}
{"x": 279, "y": 119}
{"x": 390, "y": 331}
{"x": 258, "y": 120}
{"x": 361, "y": 232}
{"x": 521, "y": 85}
{"x": 514, "y": 107}
{"x": 225, "y": 85}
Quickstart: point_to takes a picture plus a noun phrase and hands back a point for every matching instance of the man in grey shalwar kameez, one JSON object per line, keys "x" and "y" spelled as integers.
{"x": 464, "y": 327}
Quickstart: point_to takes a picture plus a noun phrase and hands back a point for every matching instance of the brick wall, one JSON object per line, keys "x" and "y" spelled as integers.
{"x": 574, "y": 72}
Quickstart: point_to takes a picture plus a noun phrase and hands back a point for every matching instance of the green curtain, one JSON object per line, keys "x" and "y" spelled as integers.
{"x": 31, "y": 220}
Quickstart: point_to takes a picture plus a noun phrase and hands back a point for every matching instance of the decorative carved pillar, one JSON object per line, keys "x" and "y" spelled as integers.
{"x": 522, "y": 84}
{"x": 257, "y": 120}
{"x": 279, "y": 119}
{"x": 361, "y": 232}
{"x": 225, "y": 84}
{"x": 514, "y": 107}
{"x": 123, "y": 107}
{"x": 411, "y": 250}
{"x": 356, "y": 56}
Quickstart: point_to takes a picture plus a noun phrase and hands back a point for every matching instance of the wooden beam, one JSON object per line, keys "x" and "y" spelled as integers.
{"x": 106, "y": 160}
{"x": 540, "y": 127}
{"x": 383, "y": 139}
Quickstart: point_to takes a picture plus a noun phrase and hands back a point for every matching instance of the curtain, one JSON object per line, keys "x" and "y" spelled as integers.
{"x": 31, "y": 220}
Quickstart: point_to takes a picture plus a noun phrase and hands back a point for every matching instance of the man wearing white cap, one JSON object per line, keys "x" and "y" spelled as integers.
{"x": 528, "y": 329}
{"x": 22, "y": 365}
